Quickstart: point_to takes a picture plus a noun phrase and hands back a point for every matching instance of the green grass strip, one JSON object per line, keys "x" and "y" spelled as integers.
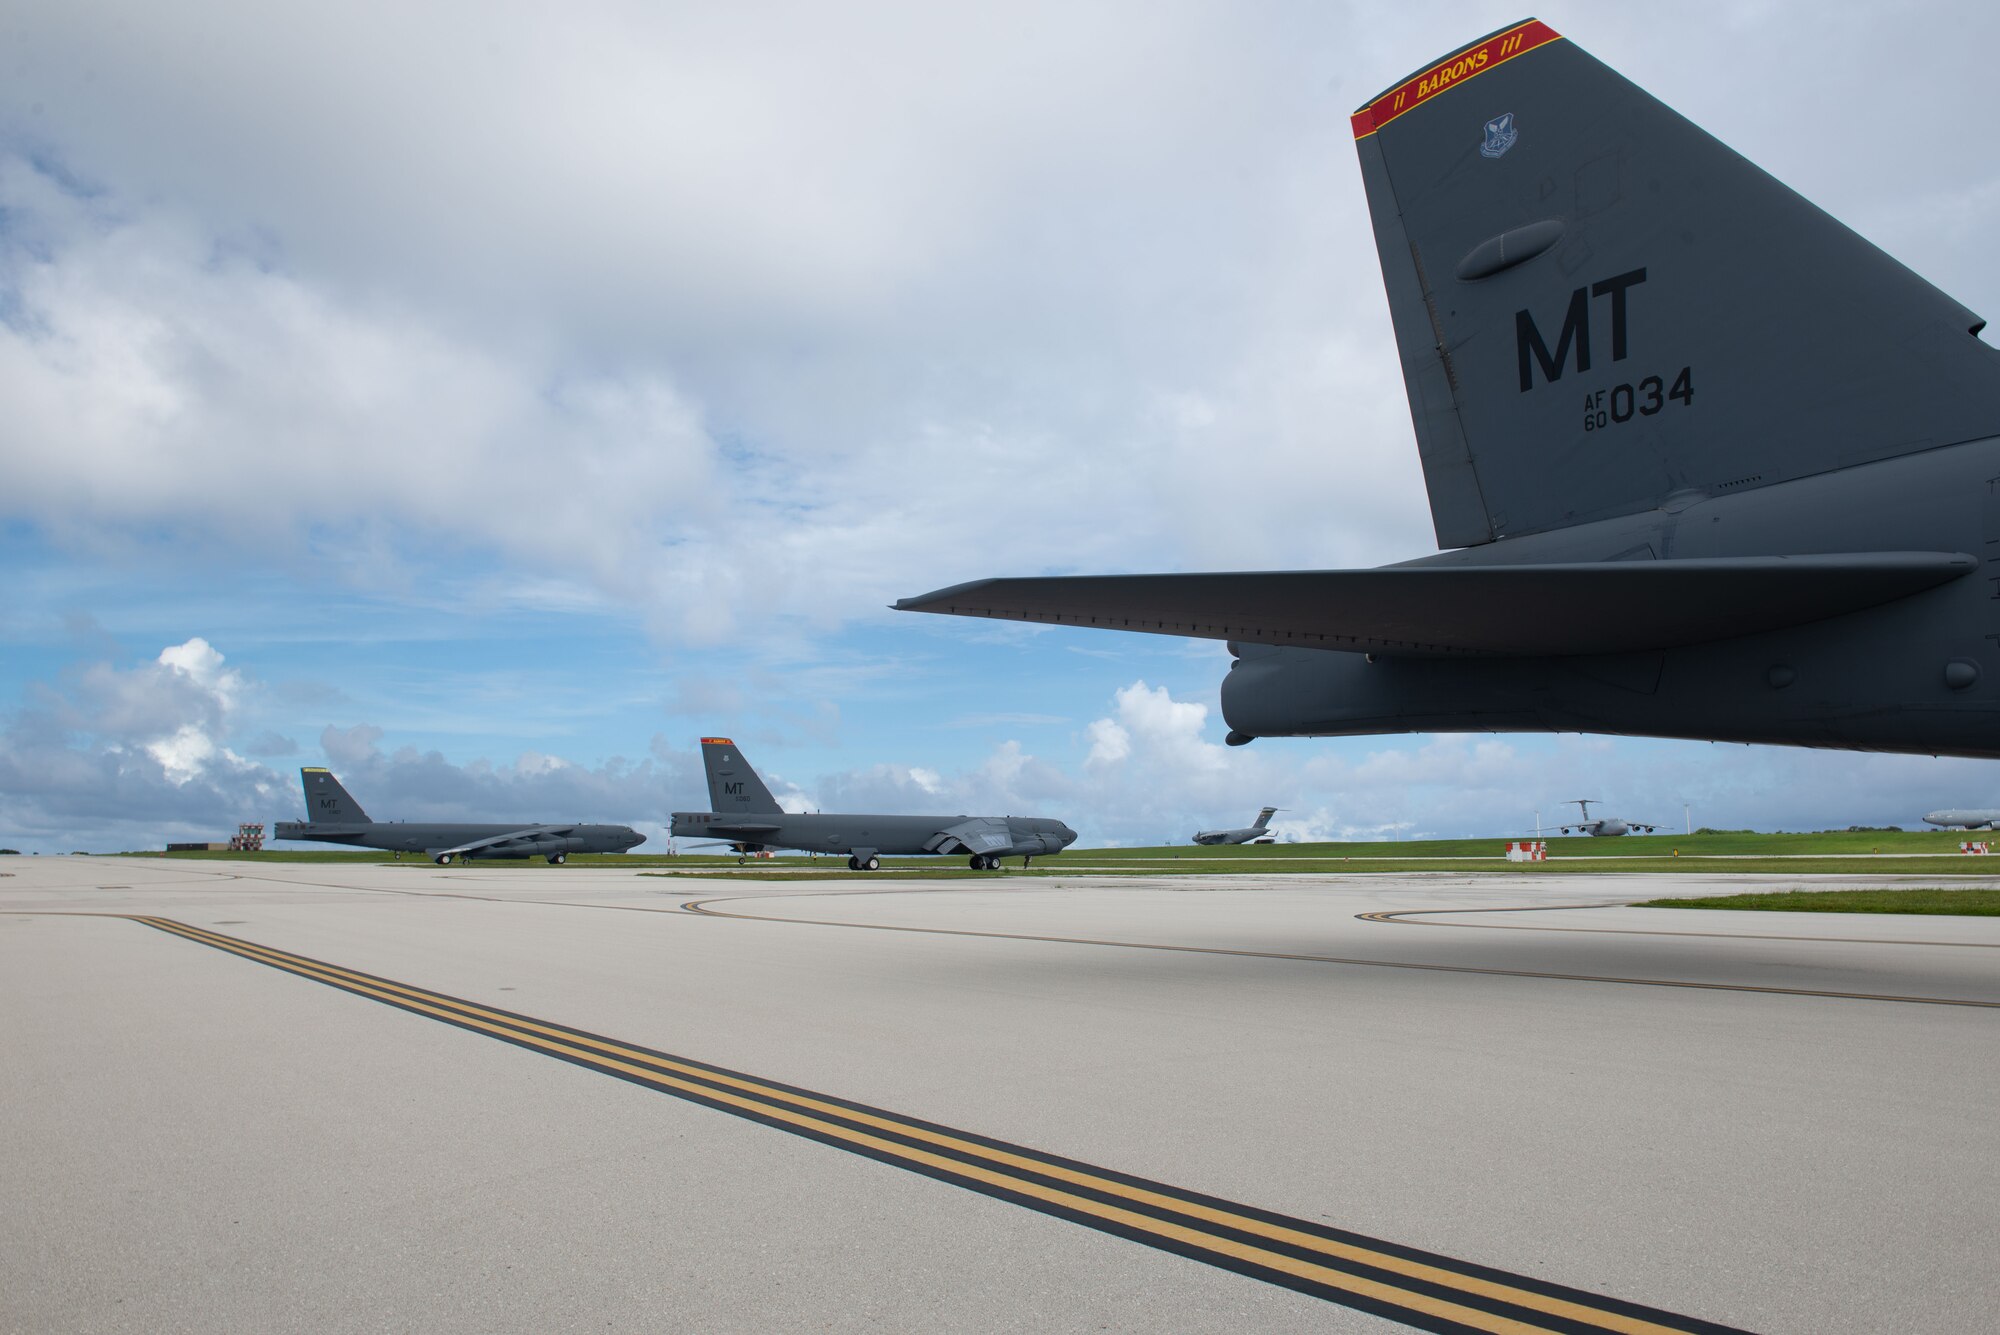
{"x": 1926, "y": 899}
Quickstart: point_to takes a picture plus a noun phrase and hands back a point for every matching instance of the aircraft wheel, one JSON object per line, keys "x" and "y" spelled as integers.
{"x": 872, "y": 864}
{"x": 978, "y": 861}
{"x": 854, "y": 864}
{"x": 444, "y": 859}
{"x": 557, "y": 859}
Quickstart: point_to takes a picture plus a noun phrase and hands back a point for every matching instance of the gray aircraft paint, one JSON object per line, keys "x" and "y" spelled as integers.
{"x": 1602, "y": 827}
{"x": 1956, "y": 819}
{"x": 1254, "y": 830}
{"x": 748, "y": 818}
{"x": 334, "y": 817}
{"x": 1715, "y": 466}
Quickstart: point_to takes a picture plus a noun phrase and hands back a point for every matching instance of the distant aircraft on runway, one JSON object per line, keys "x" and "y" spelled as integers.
{"x": 1603, "y": 826}
{"x": 332, "y": 817}
{"x": 1253, "y": 831}
{"x": 748, "y": 818}
{"x": 1714, "y": 466}
{"x": 1954, "y": 819}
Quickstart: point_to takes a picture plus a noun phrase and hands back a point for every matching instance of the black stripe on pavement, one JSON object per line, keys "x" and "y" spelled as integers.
{"x": 1418, "y": 1288}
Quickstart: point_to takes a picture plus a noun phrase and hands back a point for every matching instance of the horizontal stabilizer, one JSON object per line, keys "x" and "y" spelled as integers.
{"x": 1513, "y": 610}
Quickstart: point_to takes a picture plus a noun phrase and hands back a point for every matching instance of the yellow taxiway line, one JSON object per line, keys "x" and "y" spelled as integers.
{"x": 1421, "y": 1289}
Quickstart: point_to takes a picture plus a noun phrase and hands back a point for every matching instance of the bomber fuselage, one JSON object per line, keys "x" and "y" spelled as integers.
{"x": 1920, "y": 674}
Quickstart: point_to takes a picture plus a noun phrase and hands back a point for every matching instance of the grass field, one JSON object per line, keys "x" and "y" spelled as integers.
{"x": 1927, "y": 853}
{"x": 1919, "y": 899}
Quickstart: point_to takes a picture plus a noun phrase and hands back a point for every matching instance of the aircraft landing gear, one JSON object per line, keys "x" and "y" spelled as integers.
{"x": 853, "y": 864}
{"x": 557, "y": 859}
{"x": 869, "y": 863}
{"x": 442, "y": 859}
{"x": 985, "y": 862}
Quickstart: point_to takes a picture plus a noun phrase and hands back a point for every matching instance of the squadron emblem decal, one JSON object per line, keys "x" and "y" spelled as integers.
{"x": 1500, "y": 136}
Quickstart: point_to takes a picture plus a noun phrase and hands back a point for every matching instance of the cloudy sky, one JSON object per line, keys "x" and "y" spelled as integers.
{"x": 489, "y": 399}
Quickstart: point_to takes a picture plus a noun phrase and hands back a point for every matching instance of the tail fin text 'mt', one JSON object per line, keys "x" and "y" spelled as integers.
{"x": 1710, "y": 463}
{"x": 1599, "y": 305}
{"x": 326, "y": 801}
{"x": 733, "y": 787}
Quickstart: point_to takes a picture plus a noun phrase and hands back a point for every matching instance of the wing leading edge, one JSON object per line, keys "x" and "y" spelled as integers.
{"x": 1501, "y": 610}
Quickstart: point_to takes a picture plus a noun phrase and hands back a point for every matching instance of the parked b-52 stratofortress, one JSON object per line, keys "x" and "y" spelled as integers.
{"x": 1254, "y": 830}
{"x": 332, "y": 817}
{"x": 748, "y": 818}
{"x": 1713, "y": 465}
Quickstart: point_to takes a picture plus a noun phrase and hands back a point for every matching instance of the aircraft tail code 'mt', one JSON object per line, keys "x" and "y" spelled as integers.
{"x": 1706, "y": 463}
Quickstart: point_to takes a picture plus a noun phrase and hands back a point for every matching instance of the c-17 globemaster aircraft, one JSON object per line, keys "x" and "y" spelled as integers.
{"x": 332, "y": 817}
{"x": 748, "y": 818}
{"x": 1713, "y": 466}
{"x": 1603, "y": 826}
{"x": 1254, "y": 830}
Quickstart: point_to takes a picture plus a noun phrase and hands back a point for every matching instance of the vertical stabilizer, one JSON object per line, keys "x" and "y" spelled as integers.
{"x": 733, "y": 787}
{"x": 1264, "y": 817}
{"x": 1598, "y": 305}
{"x": 327, "y": 803}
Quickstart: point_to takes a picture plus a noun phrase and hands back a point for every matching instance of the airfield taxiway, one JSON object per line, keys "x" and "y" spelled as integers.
{"x": 266, "y": 1096}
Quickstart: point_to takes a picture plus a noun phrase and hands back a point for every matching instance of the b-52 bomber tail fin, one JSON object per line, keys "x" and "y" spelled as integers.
{"x": 733, "y": 787}
{"x": 327, "y": 803}
{"x": 1715, "y": 466}
{"x": 1598, "y": 305}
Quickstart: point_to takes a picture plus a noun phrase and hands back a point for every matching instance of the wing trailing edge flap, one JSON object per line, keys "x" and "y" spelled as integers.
{"x": 1497, "y": 610}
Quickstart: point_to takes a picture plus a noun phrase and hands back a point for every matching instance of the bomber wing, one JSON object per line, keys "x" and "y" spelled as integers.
{"x": 981, "y": 834}
{"x": 527, "y": 833}
{"x": 1603, "y": 607}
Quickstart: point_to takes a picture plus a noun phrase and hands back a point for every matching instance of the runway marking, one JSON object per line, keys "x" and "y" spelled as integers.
{"x": 700, "y": 906}
{"x": 1404, "y": 917}
{"x": 1418, "y": 1288}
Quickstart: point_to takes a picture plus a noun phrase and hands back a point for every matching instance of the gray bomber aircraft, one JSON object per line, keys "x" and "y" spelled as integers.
{"x": 748, "y": 818}
{"x": 332, "y": 817}
{"x": 1604, "y": 826}
{"x": 1711, "y": 464}
{"x": 1254, "y": 830}
{"x": 1957, "y": 819}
